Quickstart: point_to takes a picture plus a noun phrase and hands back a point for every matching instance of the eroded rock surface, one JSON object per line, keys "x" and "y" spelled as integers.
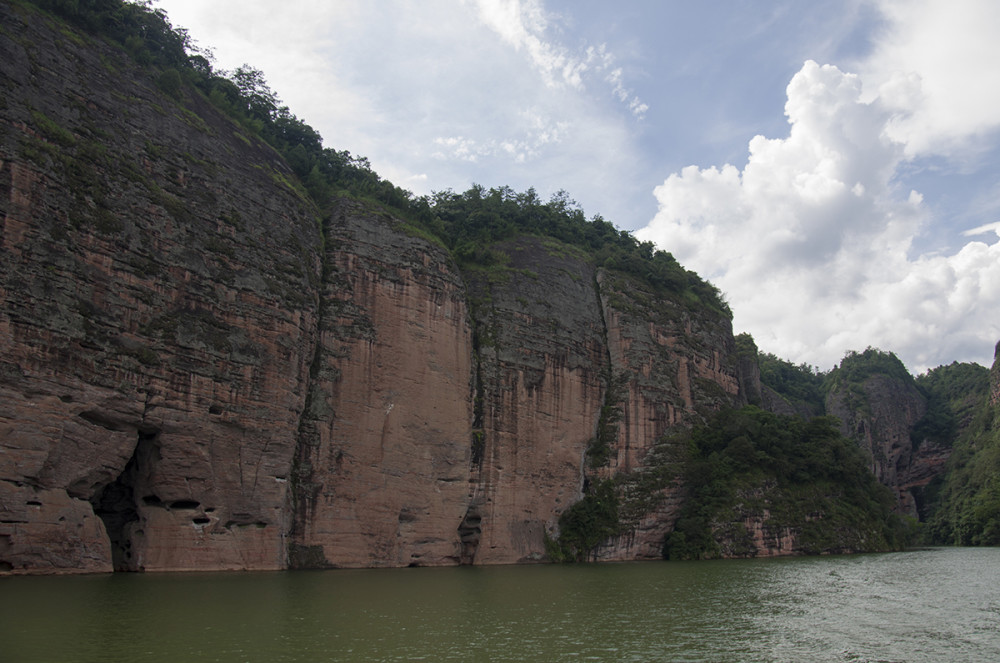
{"x": 382, "y": 473}
{"x": 199, "y": 371}
{"x": 880, "y": 417}
{"x": 158, "y": 319}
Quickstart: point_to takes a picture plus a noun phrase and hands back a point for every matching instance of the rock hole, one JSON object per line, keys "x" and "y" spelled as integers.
{"x": 102, "y": 419}
{"x": 469, "y": 534}
{"x": 215, "y": 409}
{"x": 184, "y": 504}
{"x": 33, "y": 503}
{"x": 152, "y": 500}
{"x": 201, "y": 520}
{"x": 116, "y": 503}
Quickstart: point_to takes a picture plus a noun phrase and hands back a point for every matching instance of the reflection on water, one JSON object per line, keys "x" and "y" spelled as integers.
{"x": 929, "y": 605}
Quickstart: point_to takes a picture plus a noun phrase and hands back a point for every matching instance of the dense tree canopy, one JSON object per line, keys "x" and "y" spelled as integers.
{"x": 856, "y": 367}
{"x": 802, "y": 472}
{"x": 798, "y": 383}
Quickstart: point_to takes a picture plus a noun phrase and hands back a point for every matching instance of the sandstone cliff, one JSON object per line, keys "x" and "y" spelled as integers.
{"x": 158, "y": 322}
{"x": 201, "y": 371}
{"x": 381, "y": 475}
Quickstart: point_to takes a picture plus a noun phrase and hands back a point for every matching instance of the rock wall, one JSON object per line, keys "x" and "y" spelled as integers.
{"x": 382, "y": 472}
{"x": 158, "y": 319}
{"x": 880, "y": 418}
{"x": 540, "y": 356}
{"x": 678, "y": 364}
{"x": 198, "y": 372}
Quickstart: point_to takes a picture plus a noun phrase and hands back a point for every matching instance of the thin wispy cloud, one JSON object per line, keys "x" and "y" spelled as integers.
{"x": 524, "y": 25}
{"x": 539, "y": 132}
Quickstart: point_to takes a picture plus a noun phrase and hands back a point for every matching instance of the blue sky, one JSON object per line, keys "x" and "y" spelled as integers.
{"x": 834, "y": 167}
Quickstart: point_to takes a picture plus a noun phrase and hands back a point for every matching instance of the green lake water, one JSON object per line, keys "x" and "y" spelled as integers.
{"x": 923, "y": 605}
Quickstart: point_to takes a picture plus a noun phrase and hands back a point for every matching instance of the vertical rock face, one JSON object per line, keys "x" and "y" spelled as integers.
{"x": 540, "y": 359}
{"x": 558, "y": 343}
{"x": 676, "y": 363}
{"x": 382, "y": 471}
{"x": 195, "y": 375}
{"x": 880, "y": 419}
{"x": 157, "y": 319}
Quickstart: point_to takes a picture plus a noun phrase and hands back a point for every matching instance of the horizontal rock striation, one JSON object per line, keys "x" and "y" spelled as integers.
{"x": 198, "y": 370}
{"x": 158, "y": 320}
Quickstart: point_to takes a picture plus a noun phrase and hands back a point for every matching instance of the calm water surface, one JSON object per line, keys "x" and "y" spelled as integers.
{"x": 927, "y": 605}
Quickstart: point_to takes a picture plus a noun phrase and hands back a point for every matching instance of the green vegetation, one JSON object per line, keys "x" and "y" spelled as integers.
{"x": 803, "y": 473}
{"x": 52, "y": 130}
{"x": 856, "y": 367}
{"x": 969, "y": 510}
{"x": 799, "y": 384}
{"x": 587, "y": 523}
{"x": 965, "y": 506}
{"x": 954, "y": 393}
{"x": 599, "y": 449}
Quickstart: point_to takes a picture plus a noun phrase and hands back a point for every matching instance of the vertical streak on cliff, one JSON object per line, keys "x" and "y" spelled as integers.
{"x": 470, "y": 530}
{"x": 603, "y": 446}
{"x": 383, "y": 458}
{"x": 303, "y": 490}
{"x": 541, "y": 355}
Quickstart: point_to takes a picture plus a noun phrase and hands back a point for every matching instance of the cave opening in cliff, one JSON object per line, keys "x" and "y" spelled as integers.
{"x": 117, "y": 506}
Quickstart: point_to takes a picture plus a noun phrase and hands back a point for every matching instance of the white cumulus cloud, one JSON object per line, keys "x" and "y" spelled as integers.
{"x": 811, "y": 240}
{"x": 936, "y": 65}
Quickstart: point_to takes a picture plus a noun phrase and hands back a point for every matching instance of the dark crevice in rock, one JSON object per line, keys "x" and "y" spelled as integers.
{"x": 478, "y": 434}
{"x": 303, "y": 489}
{"x": 184, "y": 504}
{"x": 116, "y": 505}
{"x": 484, "y": 333}
{"x": 100, "y": 419}
{"x": 600, "y": 451}
{"x": 469, "y": 534}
